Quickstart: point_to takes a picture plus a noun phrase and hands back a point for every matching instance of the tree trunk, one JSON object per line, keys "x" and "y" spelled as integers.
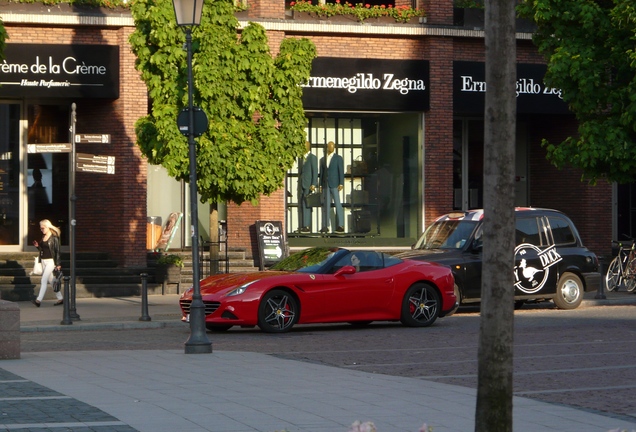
{"x": 494, "y": 387}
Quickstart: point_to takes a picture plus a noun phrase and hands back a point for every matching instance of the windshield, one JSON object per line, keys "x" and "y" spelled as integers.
{"x": 307, "y": 261}
{"x": 447, "y": 234}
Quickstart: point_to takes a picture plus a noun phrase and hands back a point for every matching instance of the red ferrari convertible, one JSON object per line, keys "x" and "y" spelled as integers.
{"x": 327, "y": 286}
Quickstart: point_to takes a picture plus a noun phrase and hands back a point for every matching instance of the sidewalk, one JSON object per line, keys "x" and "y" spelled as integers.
{"x": 163, "y": 310}
{"x": 103, "y": 314}
{"x": 169, "y": 391}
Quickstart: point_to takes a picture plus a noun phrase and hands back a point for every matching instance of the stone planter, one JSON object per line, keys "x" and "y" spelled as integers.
{"x": 168, "y": 273}
{"x": 350, "y": 19}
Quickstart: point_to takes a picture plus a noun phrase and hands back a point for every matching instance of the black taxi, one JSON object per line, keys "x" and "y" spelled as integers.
{"x": 551, "y": 262}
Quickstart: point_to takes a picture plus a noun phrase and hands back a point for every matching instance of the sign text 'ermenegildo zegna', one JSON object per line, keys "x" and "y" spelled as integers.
{"x": 40, "y": 70}
{"x": 533, "y": 96}
{"x": 367, "y": 84}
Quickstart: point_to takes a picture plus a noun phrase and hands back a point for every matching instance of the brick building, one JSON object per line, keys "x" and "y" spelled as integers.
{"x": 402, "y": 102}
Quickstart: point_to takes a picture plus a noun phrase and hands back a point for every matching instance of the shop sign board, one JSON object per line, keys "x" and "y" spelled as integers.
{"x": 271, "y": 242}
{"x": 60, "y": 71}
{"x": 367, "y": 84}
{"x": 95, "y": 163}
{"x": 92, "y": 138}
{"x": 533, "y": 96}
{"x": 50, "y": 148}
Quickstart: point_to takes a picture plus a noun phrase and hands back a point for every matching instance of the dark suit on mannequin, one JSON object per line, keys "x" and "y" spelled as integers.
{"x": 332, "y": 182}
{"x": 308, "y": 173}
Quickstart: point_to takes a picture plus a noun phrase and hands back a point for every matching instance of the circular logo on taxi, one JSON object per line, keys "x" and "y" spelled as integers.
{"x": 532, "y": 266}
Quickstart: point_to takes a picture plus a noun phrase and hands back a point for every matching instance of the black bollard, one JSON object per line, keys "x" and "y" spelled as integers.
{"x": 600, "y": 294}
{"x": 144, "y": 298}
{"x": 66, "y": 318}
{"x": 73, "y": 309}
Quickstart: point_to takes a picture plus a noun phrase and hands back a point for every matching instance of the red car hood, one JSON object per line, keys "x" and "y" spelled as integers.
{"x": 226, "y": 282}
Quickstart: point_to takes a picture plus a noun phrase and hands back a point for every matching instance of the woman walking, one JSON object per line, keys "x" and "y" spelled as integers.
{"x": 49, "y": 248}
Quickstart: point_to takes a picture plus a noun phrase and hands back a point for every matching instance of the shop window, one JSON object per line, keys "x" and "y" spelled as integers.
{"x": 381, "y": 190}
{"x": 48, "y": 179}
{"x": 10, "y": 202}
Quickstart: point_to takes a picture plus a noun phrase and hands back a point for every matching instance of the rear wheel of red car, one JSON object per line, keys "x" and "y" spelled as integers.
{"x": 420, "y": 306}
{"x": 569, "y": 292}
{"x": 277, "y": 312}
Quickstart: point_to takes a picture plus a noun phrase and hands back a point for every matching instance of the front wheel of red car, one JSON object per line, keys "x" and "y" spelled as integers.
{"x": 420, "y": 306}
{"x": 278, "y": 312}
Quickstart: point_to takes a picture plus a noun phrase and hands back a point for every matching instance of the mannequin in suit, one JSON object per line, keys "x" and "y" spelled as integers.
{"x": 308, "y": 181}
{"x": 332, "y": 182}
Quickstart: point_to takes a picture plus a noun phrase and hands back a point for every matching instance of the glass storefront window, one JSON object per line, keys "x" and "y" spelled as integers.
{"x": 381, "y": 194}
{"x": 48, "y": 173}
{"x": 9, "y": 174}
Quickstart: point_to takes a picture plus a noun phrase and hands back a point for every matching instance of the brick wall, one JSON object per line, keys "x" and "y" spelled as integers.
{"x": 587, "y": 205}
{"x": 266, "y": 9}
{"x": 438, "y": 137}
{"x": 241, "y": 220}
{"x": 110, "y": 209}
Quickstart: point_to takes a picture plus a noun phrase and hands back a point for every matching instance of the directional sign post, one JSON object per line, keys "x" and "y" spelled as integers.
{"x": 50, "y": 148}
{"x": 95, "y": 163}
{"x": 92, "y": 138}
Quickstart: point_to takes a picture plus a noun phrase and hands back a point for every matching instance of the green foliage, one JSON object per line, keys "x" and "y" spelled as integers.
{"x": 3, "y": 39}
{"x": 360, "y": 11}
{"x": 166, "y": 259}
{"x": 111, "y": 4}
{"x": 252, "y": 100}
{"x": 469, "y": 4}
{"x": 589, "y": 47}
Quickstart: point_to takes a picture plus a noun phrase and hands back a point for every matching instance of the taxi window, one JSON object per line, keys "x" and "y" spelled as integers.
{"x": 527, "y": 231}
{"x": 561, "y": 231}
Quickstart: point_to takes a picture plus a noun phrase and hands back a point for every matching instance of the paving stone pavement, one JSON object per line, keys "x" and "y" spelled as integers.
{"x": 167, "y": 390}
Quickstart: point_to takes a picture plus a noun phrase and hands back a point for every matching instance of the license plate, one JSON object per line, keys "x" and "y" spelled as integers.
{"x": 187, "y": 318}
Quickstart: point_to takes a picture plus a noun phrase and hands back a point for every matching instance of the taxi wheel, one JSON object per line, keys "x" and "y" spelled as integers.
{"x": 569, "y": 292}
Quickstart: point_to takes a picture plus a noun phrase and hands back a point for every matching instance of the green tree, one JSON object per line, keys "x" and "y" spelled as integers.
{"x": 3, "y": 39}
{"x": 589, "y": 47}
{"x": 252, "y": 100}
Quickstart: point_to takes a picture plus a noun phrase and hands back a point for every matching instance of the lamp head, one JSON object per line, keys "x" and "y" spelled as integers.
{"x": 188, "y": 12}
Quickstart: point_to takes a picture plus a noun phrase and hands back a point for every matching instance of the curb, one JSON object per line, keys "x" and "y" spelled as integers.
{"x": 80, "y": 326}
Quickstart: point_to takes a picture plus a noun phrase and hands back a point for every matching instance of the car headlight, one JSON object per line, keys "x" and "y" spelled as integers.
{"x": 241, "y": 289}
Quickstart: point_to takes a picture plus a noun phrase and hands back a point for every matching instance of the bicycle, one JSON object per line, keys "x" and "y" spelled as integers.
{"x": 622, "y": 270}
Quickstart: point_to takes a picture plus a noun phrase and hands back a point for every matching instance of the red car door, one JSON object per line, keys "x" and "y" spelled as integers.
{"x": 361, "y": 296}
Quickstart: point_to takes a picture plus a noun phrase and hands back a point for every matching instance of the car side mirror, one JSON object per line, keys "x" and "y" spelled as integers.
{"x": 346, "y": 270}
{"x": 476, "y": 247}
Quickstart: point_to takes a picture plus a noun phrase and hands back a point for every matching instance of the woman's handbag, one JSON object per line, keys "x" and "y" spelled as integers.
{"x": 37, "y": 267}
{"x": 57, "y": 282}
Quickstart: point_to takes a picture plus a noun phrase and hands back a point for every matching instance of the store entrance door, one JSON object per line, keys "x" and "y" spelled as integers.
{"x": 10, "y": 203}
{"x": 48, "y": 173}
{"x": 468, "y": 164}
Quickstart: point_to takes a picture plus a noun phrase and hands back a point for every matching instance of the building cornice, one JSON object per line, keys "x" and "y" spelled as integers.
{"x": 123, "y": 19}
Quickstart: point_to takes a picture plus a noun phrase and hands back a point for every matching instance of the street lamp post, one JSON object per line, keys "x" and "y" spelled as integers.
{"x": 188, "y": 14}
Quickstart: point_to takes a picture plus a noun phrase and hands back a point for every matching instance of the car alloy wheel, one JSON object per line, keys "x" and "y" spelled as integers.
{"x": 420, "y": 306}
{"x": 277, "y": 312}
